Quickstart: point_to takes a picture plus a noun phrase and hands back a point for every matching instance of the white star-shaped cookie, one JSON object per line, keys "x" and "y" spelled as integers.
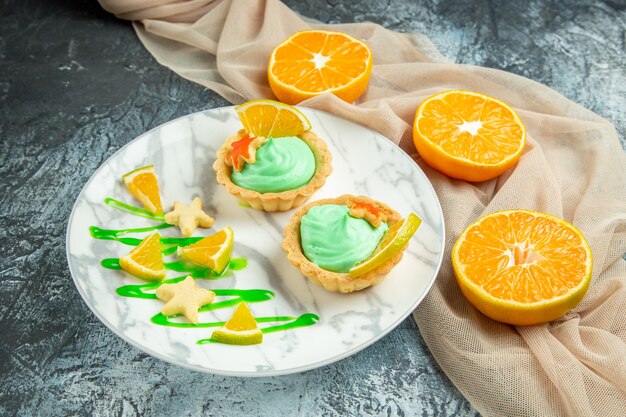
{"x": 189, "y": 218}
{"x": 184, "y": 298}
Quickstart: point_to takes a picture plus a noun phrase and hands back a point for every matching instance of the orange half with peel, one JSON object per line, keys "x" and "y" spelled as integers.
{"x": 467, "y": 135}
{"x": 313, "y": 62}
{"x": 522, "y": 267}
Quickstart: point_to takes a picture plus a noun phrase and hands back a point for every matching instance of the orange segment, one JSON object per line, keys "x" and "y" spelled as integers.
{"x": 240, "y": 329}
{"x": 242, "y": 319}
{"x": 313, "y": 62}
{"x": 212, "y": 252}
{"x": 467, "y": 135}
{"x": 310, "y": 40}
{"x": 145, "y": 261}
{"x": 143, "y": 184}
{"x": 522, "y": 267}
{"x": 269, "y": 118}
{"x": 313, "y": 81}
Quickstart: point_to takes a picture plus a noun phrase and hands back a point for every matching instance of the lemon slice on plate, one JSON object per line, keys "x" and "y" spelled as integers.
{"x": 145, "y": 261}
{"x": 143, "y": 184}
{"x": 393, "y": 241}
{"x": 241, "y": 329}
{"x": 212, "y": 252}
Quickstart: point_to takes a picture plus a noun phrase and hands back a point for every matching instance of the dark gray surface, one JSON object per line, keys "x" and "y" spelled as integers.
{"x": 76, "y": 85}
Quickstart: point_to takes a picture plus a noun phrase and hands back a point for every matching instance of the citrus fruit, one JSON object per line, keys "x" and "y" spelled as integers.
{"x": 522, "y": 267}
{"x": 212, "y": 252}
{"x": 467, "y": 135}
{"x": 269, "y": 118}
{"x": 241, "y": 329}
{"x": 143, "y": 184}
{"x": 393, "y": 241}
{"x": 313, "y": 62}
{"x": 145, "y": 261}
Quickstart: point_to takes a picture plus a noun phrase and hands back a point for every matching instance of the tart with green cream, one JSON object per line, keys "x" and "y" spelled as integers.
{"x": 273, "y": 170}
{"x": 347, "y": 243}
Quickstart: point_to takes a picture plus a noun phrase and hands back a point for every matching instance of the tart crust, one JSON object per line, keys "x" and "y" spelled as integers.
{"x": 285, "y": 200}
{"x": 336, "y": 281}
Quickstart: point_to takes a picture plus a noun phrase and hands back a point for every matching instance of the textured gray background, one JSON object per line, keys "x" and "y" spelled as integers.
{"x": 76, "y": 85}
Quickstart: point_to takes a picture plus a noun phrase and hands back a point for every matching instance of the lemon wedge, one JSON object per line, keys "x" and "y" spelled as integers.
{"x": 393, "y": 242}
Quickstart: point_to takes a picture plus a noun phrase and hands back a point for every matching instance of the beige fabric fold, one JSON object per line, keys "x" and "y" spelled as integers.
{"x": 573, "y": 167}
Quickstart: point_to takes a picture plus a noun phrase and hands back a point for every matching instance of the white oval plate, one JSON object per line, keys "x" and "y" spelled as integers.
{"x": 183, "y": 152}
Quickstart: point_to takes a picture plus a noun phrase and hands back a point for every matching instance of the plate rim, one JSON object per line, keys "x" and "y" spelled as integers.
{"x": 254, "y": 374}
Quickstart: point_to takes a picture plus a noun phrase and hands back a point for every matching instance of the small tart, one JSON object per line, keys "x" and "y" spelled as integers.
{"x": 281, "y": 201}
{"x": 336, "y": 281}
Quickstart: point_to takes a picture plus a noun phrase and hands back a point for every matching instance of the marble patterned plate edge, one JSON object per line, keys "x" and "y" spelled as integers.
{"x": 399, "y": 317}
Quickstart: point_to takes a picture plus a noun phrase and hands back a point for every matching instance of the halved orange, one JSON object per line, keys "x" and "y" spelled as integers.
{"x": 145, "y": 261}
{"x": 212, "y": 252}
{"x": 269, "y": 118}
{"x": 393, "y": 241}
{"x": 312, "y": 62}
{"x": 143, "y": 184}
{"x": 467, "y": 135}
{"x": 522, "y": 267}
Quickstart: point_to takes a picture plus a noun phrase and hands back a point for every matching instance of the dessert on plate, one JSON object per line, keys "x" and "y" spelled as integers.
{"x": 347, "y": 243}
{"x": 276, "y": 162}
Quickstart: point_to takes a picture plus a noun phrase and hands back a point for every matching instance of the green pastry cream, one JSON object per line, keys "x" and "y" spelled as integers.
{"x": 336, "y": 241}
{"x": 281, "y": 164}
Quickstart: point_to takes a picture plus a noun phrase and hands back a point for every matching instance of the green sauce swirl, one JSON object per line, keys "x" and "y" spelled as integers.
{"x": 232, "y": 296}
